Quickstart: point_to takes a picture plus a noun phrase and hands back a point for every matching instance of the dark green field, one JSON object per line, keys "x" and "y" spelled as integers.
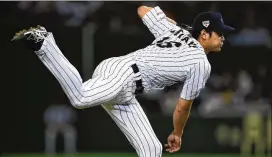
{"x": 122, "y": 155}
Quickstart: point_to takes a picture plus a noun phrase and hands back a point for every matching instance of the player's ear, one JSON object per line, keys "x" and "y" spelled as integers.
{"x": 204, "y": 34}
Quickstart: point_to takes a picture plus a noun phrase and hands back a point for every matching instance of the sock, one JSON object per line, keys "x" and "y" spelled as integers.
{"x": 31, "y": 44}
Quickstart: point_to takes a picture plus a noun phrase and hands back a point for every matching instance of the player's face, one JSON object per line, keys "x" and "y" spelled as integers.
{"x": 216, "y": 41}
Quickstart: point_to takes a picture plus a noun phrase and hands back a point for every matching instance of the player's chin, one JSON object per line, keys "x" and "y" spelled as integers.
{"x": 218, "y": 49}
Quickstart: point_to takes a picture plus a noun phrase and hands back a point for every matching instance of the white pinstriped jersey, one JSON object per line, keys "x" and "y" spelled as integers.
{"x": 174, "y": 56}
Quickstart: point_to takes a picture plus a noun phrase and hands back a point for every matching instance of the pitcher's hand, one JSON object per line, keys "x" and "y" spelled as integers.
{"x": 173, "y": 143}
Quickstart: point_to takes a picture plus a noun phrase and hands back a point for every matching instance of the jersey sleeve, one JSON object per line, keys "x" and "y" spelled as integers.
{"x": 196, "y": 80}
{"x": 157, "y": 22}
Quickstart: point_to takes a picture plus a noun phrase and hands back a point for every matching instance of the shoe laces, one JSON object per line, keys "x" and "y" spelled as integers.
{"x": 37, "y": 35}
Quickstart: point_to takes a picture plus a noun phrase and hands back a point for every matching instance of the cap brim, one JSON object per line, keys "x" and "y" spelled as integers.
{"x": 227, "y": 28}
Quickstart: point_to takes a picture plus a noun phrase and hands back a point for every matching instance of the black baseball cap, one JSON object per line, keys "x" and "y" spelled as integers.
{"x": 212, "y": 21}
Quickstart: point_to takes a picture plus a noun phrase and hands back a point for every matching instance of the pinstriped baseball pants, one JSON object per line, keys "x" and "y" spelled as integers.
{"x": 113, "y": 86}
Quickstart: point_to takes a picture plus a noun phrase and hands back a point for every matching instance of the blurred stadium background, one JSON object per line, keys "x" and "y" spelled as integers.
{"x": 232, "y": 117}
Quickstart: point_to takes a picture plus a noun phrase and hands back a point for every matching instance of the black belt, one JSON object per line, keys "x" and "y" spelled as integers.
{"x": 139, "y": 84}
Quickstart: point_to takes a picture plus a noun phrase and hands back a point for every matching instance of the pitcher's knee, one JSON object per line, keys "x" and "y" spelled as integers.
{"x": 78, "y": 104}
{"x": 82, "y": 103}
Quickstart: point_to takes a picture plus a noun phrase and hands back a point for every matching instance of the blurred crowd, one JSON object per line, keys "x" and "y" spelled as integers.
{"x": 253, "y": 28}
{"x": 252, "y": 22}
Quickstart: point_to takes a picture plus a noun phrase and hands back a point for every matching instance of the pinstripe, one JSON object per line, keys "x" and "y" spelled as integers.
{"x": 107, "y": 93}
{"x": 57, "y": 48}
{"x": 155, "y": 57}
{"x": 142, "y": 150}
{"x": 128, "y": 136}
{"x": 71, "y": 68}
{"x": 187, "y": 85}
{"x": 72, "y": 88}
{"x": 204, "y": 73}
{"x": 207, "y": 73}
{"x": 199, "y": 74}
{"x": 138, "y": 137}
{"x": 102, "y": 95}
{"x": 169, "y": 80}
{"x": 61, "y": 83}
{"x": 60, "y": 75}
{"x": 160, "y": 64}
{"x": 154, "y": 23}
{"x": 175, "y": 65}
{"x": 101, "y": 67}
{"x": 165, "y": 24}
{"x": 191, "y": 78}
{"x": 128, "y": 84}
{"x": 173, "y": 72}
{"x": 195, "y": 76}
{"x": 67, "y": 75}
{"x": 166, "y": 57}
{"x": 69, "y": 89}
{"x": 176, "y": 61}
{"x": 106, "y": 66}
{"x": 124, "y": 129}
{"x": 112, "y": 71}
{"x": 141, "y": 132}
{"x": 93, "y": 81}
{"x": 193, "y": 83}
{"x": 140, "y": 110}
{"x": 114, "y": 78}
{"x": 172, "y": 53}
{"x": 156, "y": 31}
{"x": 158, "y": 22}
{"x": 95, "y": 77}
{"x": 145, "y": 127}
{"x": 148, "y": 21}
{"x": 99, "y": 70}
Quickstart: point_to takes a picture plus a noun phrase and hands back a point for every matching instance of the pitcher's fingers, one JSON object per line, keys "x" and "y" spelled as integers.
{"x": 175, "y": 149}
{"x": 169, "y": 144}
{"x": 169, "y": 149}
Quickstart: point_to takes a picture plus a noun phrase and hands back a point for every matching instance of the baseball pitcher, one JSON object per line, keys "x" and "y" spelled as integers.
{"x": 175, "y": 55}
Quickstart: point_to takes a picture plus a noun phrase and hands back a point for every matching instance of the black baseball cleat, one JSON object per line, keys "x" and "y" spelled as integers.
{"x": 34, "y": 37}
